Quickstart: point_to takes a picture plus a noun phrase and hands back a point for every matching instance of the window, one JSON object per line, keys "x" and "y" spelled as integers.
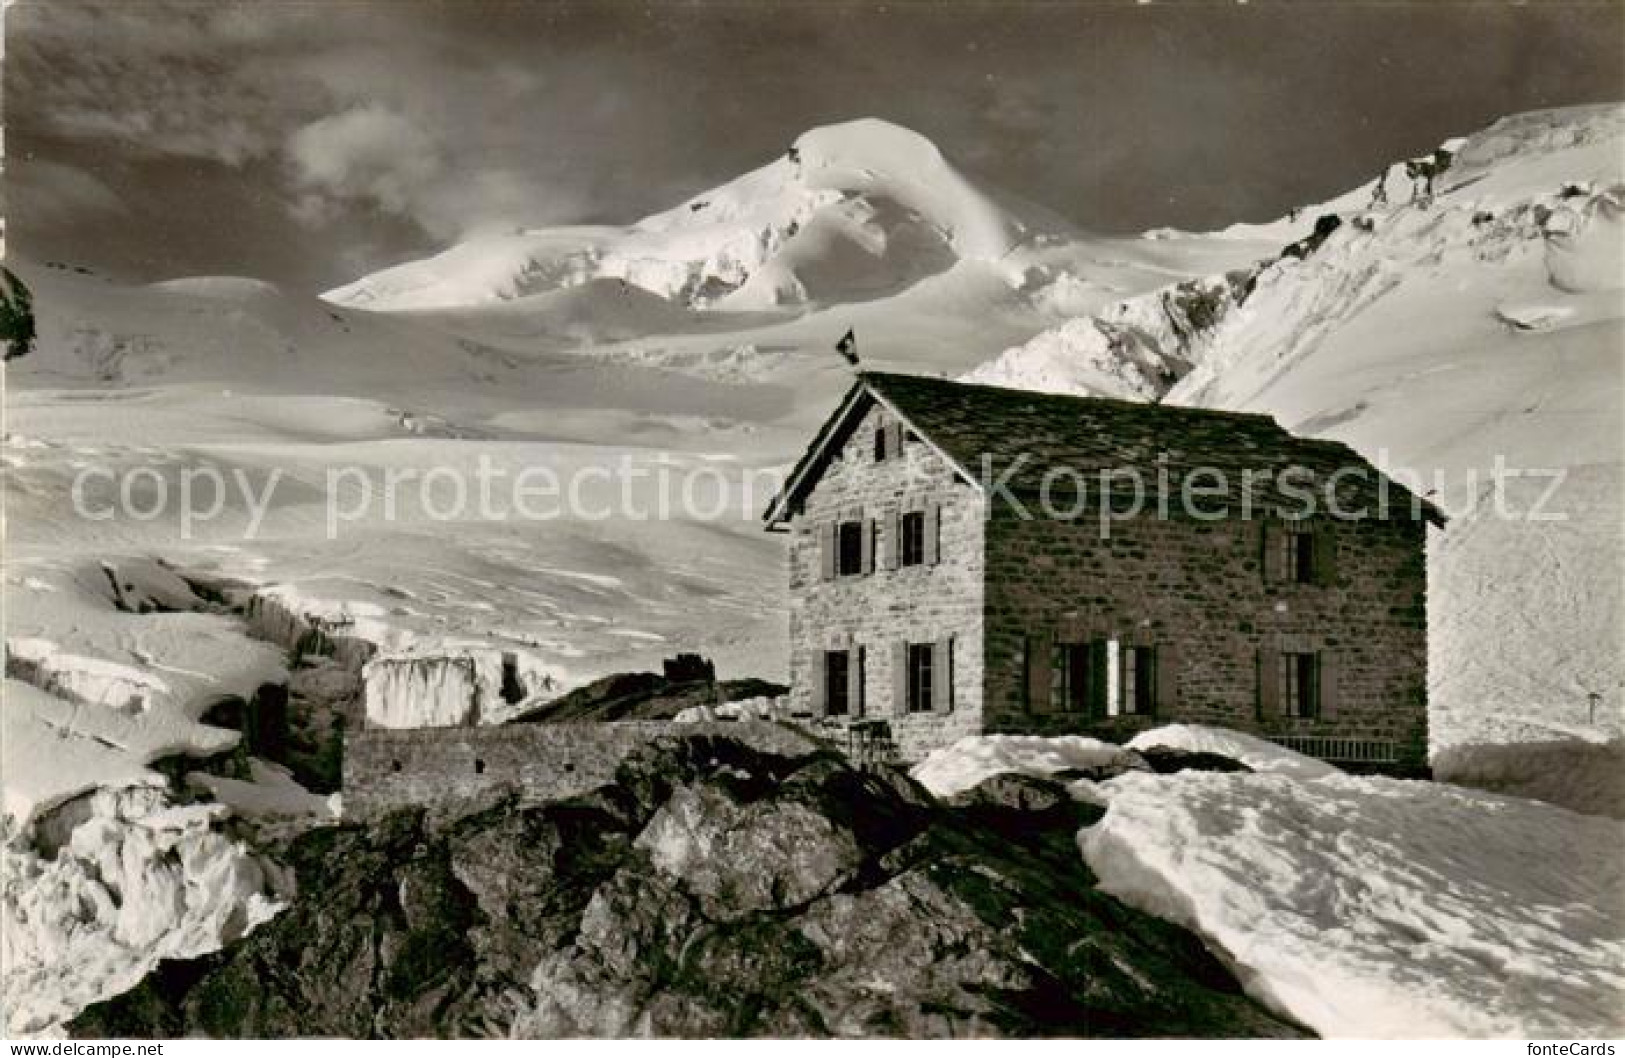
{"x": 889, "y": 441}
{"x": 1139, "y": 680}
{"x": 1069, "y": 679}
{"x": 920, "y": 677}
{"x": 1130, "y": 679}
{"x": 837, "y": 682}
{"x": 911, "y": 542}
{"x": 849, "y": 547}
{"x": 1298, "y": 553}
{"x": 1299, "y": 685}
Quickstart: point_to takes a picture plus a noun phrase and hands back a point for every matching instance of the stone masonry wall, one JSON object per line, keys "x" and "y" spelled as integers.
{"x": 914, "y": 604}
{"x": 1200, "y": 587}
{"x": 386, "y": 769}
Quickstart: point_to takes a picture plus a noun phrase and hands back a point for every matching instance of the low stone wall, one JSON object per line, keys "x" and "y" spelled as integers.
{"x": 386, "y": 769}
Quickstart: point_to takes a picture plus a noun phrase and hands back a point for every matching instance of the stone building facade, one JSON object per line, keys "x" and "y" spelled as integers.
{"x": 946, "y": 580}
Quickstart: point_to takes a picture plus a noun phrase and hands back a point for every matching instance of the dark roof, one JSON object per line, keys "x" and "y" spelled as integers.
{"x": 1019, "y": 436}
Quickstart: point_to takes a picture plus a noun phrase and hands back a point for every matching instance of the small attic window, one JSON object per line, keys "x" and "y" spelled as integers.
{"x": 889, "y": 440}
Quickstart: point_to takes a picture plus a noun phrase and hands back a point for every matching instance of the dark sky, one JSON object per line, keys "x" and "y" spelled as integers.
{"x": 309, "y": 142}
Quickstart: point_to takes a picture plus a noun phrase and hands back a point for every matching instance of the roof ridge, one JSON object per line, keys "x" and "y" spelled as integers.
{"x": 883, "y": 376}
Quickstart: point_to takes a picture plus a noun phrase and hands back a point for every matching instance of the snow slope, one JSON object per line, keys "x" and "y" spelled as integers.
{"x": 1367, "y": 907}
{"x": 1360, "y": 907}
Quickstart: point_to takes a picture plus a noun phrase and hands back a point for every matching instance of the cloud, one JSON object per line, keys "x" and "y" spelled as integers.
{"x": 367, "y": 153}
{"x": 375, "y": 156}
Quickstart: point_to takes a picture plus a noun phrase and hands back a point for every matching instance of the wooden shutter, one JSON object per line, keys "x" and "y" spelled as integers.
{"x": 1274, "y": 561}
{"x": 1166, "y": 698}
{"x": 1326, "y": 691}
{"x": 933, "y": 521}
{"x": 1269, "y": 682}
{"x": 826, "y": 551}
{"x": 891, "y": 549}
{"x": 820, "y": 693}
{"x": 854, "y": 682}
{"x": 866, "y": 549}
{"x": 899, "y": 679}
{"x": 942, "y": 676}
{"x": 1325, "y": 545}
{"x": 1098, "y": 673}
{"x": 1038, "y": 672}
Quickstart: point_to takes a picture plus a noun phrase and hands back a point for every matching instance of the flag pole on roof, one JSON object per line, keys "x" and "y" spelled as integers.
{"x": 848, "y": 347}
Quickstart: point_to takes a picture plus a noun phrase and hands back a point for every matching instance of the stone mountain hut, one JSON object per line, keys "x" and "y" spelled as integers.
{"x": 967, "y": 559}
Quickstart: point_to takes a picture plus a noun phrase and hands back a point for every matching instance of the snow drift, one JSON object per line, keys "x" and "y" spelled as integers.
{"x": 1359, "y": 907}
{"x": 1366, "y": 907}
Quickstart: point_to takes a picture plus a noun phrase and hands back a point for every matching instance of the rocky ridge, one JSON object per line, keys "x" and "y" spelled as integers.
{"x": 709, "y": 891}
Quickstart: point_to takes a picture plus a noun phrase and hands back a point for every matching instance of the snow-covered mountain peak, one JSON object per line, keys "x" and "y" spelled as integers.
{"x": 850, "y": 211}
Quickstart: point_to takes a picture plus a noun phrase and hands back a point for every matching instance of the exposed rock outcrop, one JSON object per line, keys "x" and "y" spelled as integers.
{"x": 711, "y": 890}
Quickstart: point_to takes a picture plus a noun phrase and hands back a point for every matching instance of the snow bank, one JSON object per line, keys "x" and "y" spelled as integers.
{"x": 1370, "y": 907}
{"x": 977, "y": 757}
{"x": 138, "y": 880}
{"x": 1257, "y": 753}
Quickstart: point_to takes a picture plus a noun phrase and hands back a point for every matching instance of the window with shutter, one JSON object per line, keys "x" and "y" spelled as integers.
{"x": 837, "y": 683}
{"x": 921, "y": 678}
{"x": 849, "y": 548}
{"x": 1138, "y": 677}
{"x": 1069, "y": 689}
{"x": 912, "y": 541}
{"x": 1299, "y": 684}
{"x": 882, "y": 437}
{"x": 827, "y": 563}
